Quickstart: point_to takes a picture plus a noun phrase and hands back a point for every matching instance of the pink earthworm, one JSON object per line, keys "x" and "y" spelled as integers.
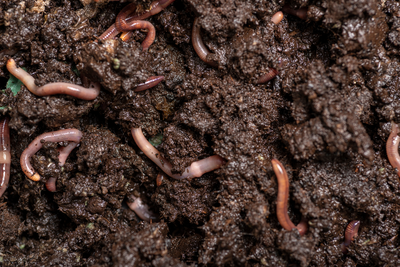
{"x": 300, "y": 13}
{"x": 53, "y": 88}
{"x": 282, "y": 200}
{"x": 72, "y": 135}
{"x": 196, "y": 169}
{"x": 51, "y": 184}
{"x": 160, "y": 178}
{"x": 110, "y": 33}
{"x": 142, "y": 24}
{"x": 350, "y": 234}
{"x": 277, "y": 17}
{"x": 62, "y": 157}
{"x": 129, "y": 14}
{"x": 149, "y": 83}
{"x": 392, "y": 148}
{"x": 125, "y": 36}
{"x": 65, "y": 151}
{"x": 5, "y": 159}
{"x": 268, "y": 76}
{"x": 142, "y": 210}
{"x": 199, "y": 46}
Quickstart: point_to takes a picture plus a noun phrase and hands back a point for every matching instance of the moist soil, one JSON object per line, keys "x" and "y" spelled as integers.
{"x": 326, "y": 117}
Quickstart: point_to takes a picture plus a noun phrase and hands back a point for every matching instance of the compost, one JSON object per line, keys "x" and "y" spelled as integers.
{"x": 325, "y": 113}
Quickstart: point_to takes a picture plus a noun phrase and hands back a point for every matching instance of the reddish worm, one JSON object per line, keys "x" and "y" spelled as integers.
{"x": 196, "y": 169}
{"x": 128, "y": 19}
{"x": 51, "y": 184}
{"x": 392, "y": 147}
{"x": 282, "y": 200}
{"x": 160, "y": 178}
{"x": 151, "y": 82}
{"x": 198, "y": 45}
{"x": 143, "y": 24}
{"x": 72, "y": 135}
{"x": 5, "y": 159}
{"x": 53, "y": 88}
{"x": 62, "y": 157}
{"x": 142, "y": 210}
{"x": 129, "y": 14}
{"x": 350, "y": 234}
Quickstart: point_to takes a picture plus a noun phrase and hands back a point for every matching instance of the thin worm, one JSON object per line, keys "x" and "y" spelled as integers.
{"x": 65, "y": 151}
{"x": 302, "y": 226}
{"x": 160, "y": 178}
{"x": 392, "y": 147}
{"x": 277, "y": 17}
{"x": 198, "y": 45}
{"x": 268, "y": 76}
{"x": 149, "y": 83}
{"x": 196, "y": 169}
{"x": 53, "y": 88}
{"x": 73, "y": 135}
{"x": 350, "y": 234}
{"x": 282, "y": 199}
{"x": 110, "y": 33}
{"x": 5, "y": 159}
{"x": 129, "y": 14}
{"x": 62, "y": 157}
{"x": 300, "y": 13}
{"x": 125, "y": 36}
{"x": 143, "y": 24}
{"x": 142, "y": 210}
{"x": 51, "y": 184}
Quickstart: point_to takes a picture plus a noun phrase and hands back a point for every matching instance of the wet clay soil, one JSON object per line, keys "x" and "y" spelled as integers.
{"x": 326, "y": 117}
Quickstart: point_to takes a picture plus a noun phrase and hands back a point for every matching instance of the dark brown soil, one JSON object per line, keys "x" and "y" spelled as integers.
{"x": 326, "y": 117}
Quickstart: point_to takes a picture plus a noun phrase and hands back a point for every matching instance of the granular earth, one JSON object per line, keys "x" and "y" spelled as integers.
{"x": 326, "y": 117}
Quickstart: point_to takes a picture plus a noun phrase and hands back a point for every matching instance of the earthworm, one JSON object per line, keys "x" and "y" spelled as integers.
{"x": 392, "y": 147}
{"x": 302, "y": 226}
{"x": 129, "y": 14}
{"x": 198, "y": 45}
{"x": 282, "y": 199}
{"x": 276, "y": 18}
{"x": 53, "y": 88}
{"x": 142, "y": 24}
{"x": 125, "y": 36}
{"x": 196, "y": 169}
{"x": 300, "y": 13}
{"x": 268, "y": 76}
{"x": 142, "y": 210}
{"x": 62, "y": 157}
{"x": 350, "y": 234}
{"x": 73, "y": 135}
{"x": 5, "y": 159}
{"x": 160, "y": 178}
{"x": 65, "y": 151}
{"x": 110, "y": 33}
{"x": 149, "y": 83}
{"x": 51, "y": 184}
